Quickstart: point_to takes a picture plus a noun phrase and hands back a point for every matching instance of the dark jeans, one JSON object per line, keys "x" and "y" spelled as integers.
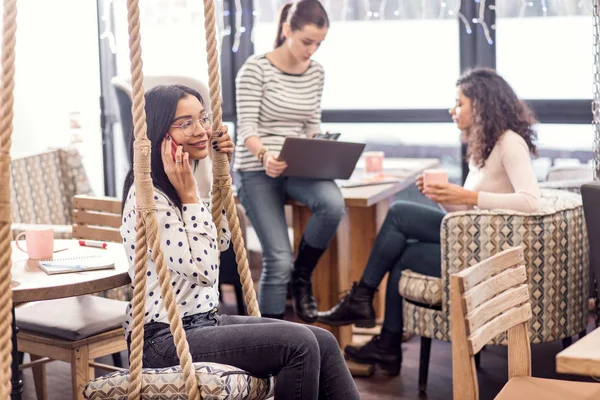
{"x": 409, "y": 239}
{"x": 306, "y": 360}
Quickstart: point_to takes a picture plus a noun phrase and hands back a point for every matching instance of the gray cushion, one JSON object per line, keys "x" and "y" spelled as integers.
{"x": 72, "y": 318}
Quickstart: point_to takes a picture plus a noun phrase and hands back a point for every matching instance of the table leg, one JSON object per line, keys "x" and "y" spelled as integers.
{"x": 17, "y": 382}
{"x": 330, "y": 278}
{"x": 365, "y": 223}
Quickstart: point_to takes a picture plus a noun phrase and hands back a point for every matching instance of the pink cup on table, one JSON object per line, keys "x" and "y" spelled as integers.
{"x": 373, "y": 161}
{"x": 434, "y": 176}
{"x": 40, "y": 243}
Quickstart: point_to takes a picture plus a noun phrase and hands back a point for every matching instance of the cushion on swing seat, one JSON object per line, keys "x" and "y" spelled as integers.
{"x": 216, "y": 381}
{"x": 419, "y": 288}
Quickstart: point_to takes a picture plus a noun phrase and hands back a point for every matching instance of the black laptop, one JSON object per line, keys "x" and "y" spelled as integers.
{"x": 320, "y": 159}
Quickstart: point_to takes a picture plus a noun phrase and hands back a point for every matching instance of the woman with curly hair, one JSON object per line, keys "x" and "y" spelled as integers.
{"x": 499, "y": 131}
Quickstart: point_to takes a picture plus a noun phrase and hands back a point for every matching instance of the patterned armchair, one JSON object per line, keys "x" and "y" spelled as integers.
{"x": 42, "y": 190}
{"x": 556, "y": 255}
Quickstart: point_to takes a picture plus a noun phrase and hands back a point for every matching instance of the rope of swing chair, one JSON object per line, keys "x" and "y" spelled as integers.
{"x": 9, "y": 28}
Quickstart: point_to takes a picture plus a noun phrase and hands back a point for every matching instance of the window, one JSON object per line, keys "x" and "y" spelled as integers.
{"x": 553, "y": 142}
{"x": 173, "y": 41}
{"x": 403, "y": 140}
{"x": 404, "y": 55}
{"x": 56, "y": 82}
{"x": 544, "y": 49}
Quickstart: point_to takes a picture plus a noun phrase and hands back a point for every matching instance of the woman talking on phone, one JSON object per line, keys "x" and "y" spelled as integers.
{"x": 306, "y": 360}
{"x": 279, "y": 96}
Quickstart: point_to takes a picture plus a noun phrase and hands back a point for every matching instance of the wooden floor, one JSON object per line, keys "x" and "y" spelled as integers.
{"x": 492, "y": 374}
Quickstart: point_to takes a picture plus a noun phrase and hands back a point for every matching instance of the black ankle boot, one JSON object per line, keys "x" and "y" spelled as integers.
{"x": 305, "y": 305}
{"x": 355, "y": 308}
{"x": 384, "y": 350}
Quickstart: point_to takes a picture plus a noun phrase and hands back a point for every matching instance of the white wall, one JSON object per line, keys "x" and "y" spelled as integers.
{"x": 57, "y": 72}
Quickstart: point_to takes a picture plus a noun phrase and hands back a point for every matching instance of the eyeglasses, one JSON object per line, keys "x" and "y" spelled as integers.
{"x": 190, "y": 127}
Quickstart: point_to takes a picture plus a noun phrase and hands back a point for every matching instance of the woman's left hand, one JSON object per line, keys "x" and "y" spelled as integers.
{"x": 221, "y": 142}
{"x": 449, "y": 193}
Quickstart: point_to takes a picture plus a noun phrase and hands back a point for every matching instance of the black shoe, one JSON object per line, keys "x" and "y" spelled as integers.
{"x": 305, "y": 304}
{"x": 383, "y": 350}
{"x": 355, "y": 308}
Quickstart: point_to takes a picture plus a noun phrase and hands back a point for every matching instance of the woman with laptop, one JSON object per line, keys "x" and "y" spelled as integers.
{"x": 499, "y": 130}
{"x": 279, "y": 96}
{"x": 305, "y": 360}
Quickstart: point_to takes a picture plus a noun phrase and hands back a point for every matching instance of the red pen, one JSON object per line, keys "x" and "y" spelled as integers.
{"x": 93, "y": 243}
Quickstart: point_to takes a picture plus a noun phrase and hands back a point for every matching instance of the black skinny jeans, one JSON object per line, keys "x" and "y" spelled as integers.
{"x": 306, "y": 360}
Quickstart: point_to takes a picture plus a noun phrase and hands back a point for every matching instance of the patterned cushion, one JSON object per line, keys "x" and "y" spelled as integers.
{"x": 556, "y": 256}
{"x": 216, "y": 381}
{"x": 420, "y": 288}
{"x": 43, "y": 186}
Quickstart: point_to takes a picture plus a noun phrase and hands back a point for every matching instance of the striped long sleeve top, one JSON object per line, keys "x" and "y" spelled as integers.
{"x": 273, "y": 105}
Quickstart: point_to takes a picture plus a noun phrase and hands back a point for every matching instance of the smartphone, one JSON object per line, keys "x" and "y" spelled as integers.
{"x": 174, "y": 145}
{"x": 327, "y": 136}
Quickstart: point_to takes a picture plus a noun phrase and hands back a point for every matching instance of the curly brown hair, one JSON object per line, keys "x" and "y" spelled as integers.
{"x": 496, "y": 109}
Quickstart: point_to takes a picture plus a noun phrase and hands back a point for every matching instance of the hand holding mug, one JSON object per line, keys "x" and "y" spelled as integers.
{"x": 420, "y": 184}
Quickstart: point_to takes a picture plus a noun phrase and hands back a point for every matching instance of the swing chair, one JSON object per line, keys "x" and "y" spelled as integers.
{"x": 190, "y": 380}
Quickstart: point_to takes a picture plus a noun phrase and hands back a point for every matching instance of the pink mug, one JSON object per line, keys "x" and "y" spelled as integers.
{"x": 434, "y": 176}
{"x": 40, "y": 243}
{"x": 373, "y": 161}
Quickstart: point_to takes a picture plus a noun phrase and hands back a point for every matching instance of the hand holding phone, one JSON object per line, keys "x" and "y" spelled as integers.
{"x": 180, "y": 173}
{"x": 174, "y": 145}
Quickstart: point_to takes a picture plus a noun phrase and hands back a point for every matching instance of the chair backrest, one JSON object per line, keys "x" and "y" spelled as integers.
{"x": 43, "y": 186}
{"x": 122, "y": 85}
{"x": 488, "y": 299}
{"x": 570, "y": 172}
{"x": 590, "y": 194}
{"x": 97, "y": 218}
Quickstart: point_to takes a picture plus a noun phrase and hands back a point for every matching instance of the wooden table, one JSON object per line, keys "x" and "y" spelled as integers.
{"x": 582, "y": 357}
{"x": 30, "y": 283}
{"x": 347, "y": 255}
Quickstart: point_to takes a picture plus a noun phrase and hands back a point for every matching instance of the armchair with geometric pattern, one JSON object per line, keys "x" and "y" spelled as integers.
{"x": 556, "y": 252}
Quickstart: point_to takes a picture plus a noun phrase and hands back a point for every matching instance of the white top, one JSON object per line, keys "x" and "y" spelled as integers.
{"x": 273, "y": 105}
{"x": 507, "y": 180}
{"x": 188, "y": 241}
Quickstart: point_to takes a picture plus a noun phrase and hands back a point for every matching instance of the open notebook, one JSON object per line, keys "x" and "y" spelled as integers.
{"x": 78, "y": 260}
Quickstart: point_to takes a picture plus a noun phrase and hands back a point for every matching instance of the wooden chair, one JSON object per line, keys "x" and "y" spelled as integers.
{"x": 80, "y": 329}
{"x": 99, "y": 218}
{"x": 486, "y": 300}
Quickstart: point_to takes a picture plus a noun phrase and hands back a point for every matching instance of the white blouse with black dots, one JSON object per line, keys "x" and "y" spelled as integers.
{"x": 188, "y": 241}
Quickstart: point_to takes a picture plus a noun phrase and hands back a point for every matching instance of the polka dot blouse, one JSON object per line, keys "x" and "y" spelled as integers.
{"x": 188, "y": 240}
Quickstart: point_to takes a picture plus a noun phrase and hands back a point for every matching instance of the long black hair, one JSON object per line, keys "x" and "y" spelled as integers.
{"x": 161, "y": 106}
{"x": 298, "y": 14}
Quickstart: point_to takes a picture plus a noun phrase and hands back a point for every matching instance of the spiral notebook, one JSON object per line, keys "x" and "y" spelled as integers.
{"x": 77, "y": 261}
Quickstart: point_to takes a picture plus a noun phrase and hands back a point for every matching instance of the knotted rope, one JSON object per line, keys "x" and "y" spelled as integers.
{"x": 222, "y": 196}
{"x": 9, "y": 28}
